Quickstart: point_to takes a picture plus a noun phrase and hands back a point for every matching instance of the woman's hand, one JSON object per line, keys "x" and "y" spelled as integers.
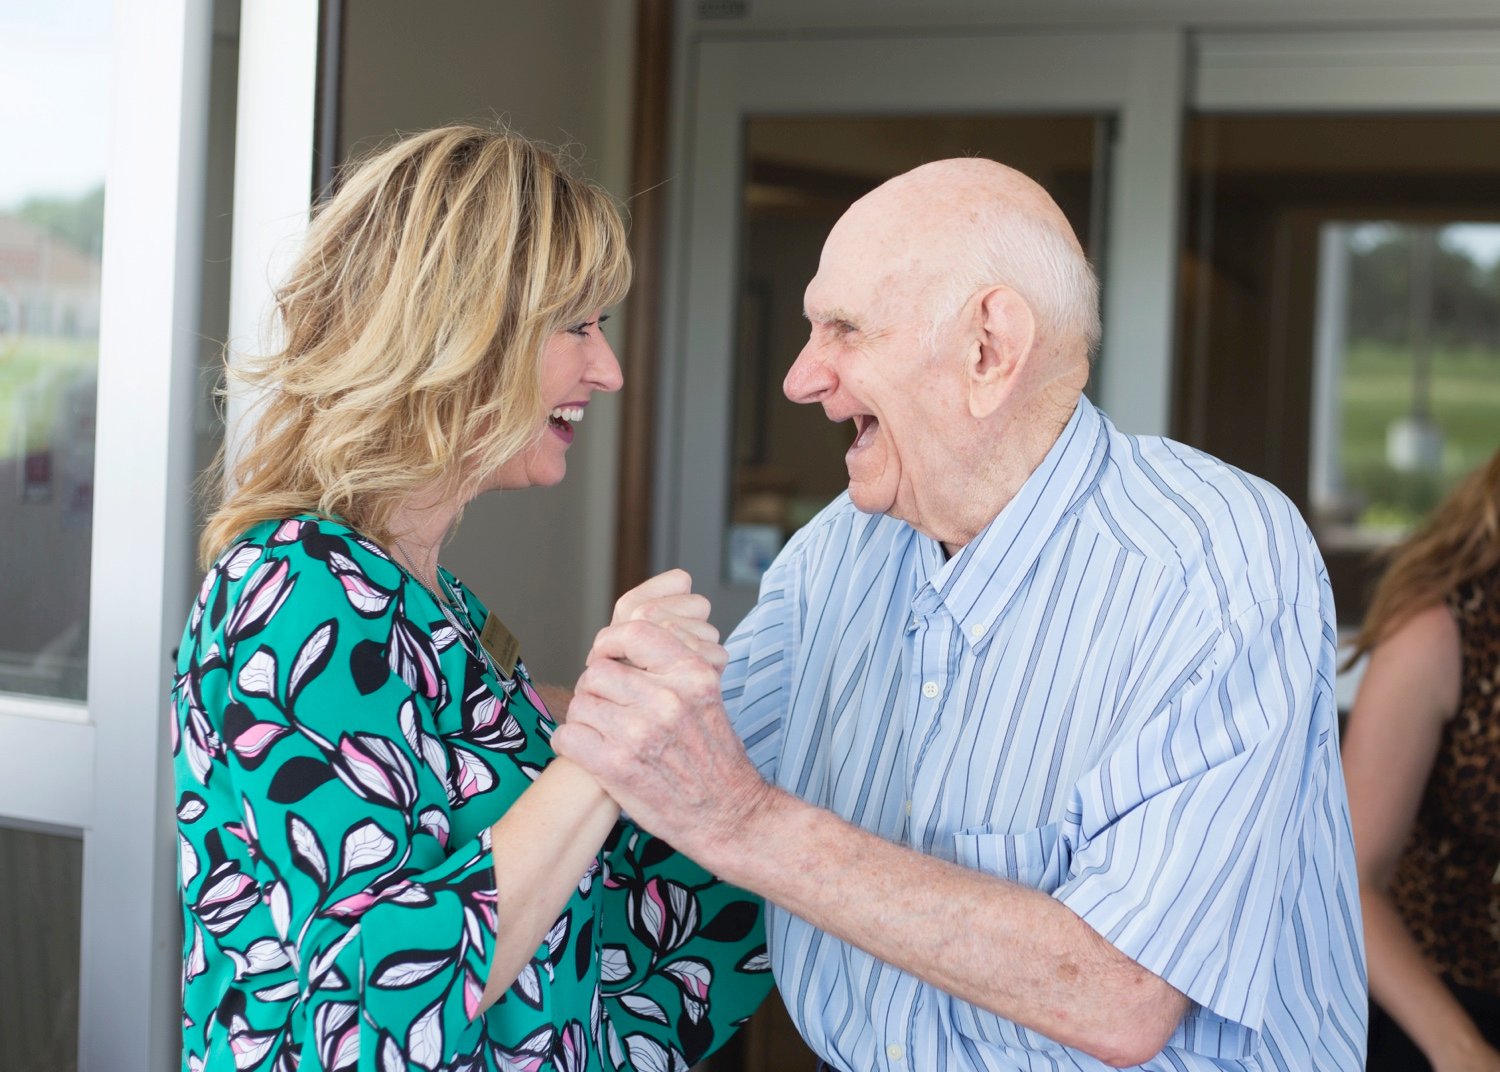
{"x": 668, "y": 600}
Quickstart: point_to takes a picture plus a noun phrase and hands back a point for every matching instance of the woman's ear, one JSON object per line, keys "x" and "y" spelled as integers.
{"x": 1007, "y": 331}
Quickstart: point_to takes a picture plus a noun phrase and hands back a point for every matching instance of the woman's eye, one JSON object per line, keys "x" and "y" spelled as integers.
{"x": 583, "y": 329}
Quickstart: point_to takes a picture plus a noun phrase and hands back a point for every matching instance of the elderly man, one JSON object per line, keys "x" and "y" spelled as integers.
{"x": 1040, "y": 761}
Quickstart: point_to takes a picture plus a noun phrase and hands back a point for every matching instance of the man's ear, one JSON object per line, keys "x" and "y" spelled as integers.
{"x": 1007, "y": 330}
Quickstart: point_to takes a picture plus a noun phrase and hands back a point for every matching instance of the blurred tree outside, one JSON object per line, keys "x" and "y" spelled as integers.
{"x": 76, "y": 221}
{"x": 1379, "y": 389}
{"x": 49, "y": 264}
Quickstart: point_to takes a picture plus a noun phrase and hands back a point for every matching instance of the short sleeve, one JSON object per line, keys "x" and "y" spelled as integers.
{"x": 1196, "y": 828}
{"x": 316, "y": 853}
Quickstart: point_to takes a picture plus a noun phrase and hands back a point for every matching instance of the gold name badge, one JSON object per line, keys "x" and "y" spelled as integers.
{"x": 502, "y": 645}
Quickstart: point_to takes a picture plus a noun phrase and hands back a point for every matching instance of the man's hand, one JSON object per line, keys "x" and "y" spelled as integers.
{"x": 647, "y": 720}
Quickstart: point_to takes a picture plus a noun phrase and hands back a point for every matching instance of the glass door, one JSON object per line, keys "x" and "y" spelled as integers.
{"x": 51, "y": 245}
{"x": 781, "y": 136}
{"x": 103, "y": 116}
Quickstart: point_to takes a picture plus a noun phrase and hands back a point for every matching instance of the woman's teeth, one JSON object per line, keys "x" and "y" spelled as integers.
{"x": 567, "y": 413}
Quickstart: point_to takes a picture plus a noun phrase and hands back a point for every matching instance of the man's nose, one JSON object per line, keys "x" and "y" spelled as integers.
{"x": 809, "y": 379}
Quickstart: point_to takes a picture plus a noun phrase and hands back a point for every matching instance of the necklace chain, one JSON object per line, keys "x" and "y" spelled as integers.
{"x": 451, "y": 608}
{"x": 450, "y": 603}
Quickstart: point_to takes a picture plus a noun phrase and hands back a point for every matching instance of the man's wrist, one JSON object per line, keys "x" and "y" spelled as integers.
{"x": 752, "y": 815}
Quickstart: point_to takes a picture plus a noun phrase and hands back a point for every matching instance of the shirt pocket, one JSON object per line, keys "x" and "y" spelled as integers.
{"x": 1038, "y": 859}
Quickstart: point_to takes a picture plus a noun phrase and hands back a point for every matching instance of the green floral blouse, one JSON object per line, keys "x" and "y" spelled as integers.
{"x": 342, "y": 744}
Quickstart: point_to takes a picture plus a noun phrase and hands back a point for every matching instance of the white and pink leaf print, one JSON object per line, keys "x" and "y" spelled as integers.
{"x": 694, "y": 978}
{"x": 261, "y": 956}
{"x": 391, "y": 1057}
{"x": 258, "y": 675}
{"x": 366, "y": 846}
{"x": 376, "y": 769}
{"x": 239, "y": 560}
{"x": 187, "y": 859}
{"x": 531, "y": 1054}
{"x": 615, "y": 964}
{"x": 648, "y": 1055}
{"x": 312, "y": 658}
{"x": 644, "y": 1007}
{"x": 336, "y": 1035}
{"x": 307, "y": 850}
{"x": 252, "y": 741}
{"x": 472, "y": 776}
{"x": 473, "y": 993}
{"x": 424, "y": 1043}
{"x": 528, "y": 985}
{"x": 265, "y": 591}
{"x": 570, "y": 1052}
{"x": 278, "y": 992}
{"x": 194, "y": 965}
{"x": 364, "y": 595}
{"x": 191, "y": 807}
{"x": 248, "y": 1046}
{"x": 408, "y": 968}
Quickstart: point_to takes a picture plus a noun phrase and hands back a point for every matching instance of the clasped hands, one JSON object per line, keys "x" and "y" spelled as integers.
{"x": 647, "y": 720}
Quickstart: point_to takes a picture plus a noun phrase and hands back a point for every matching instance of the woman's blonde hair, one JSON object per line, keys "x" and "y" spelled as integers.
{"x": 414, "y": 324}
{"x": 1460, "y": 541}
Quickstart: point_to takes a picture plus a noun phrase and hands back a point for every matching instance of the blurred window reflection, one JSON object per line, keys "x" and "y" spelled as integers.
{"x": 51, "y": 226}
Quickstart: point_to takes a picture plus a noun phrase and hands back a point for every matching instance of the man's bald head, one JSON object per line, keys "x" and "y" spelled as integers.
{"x": 951, "y": 319}
{"x": 951, "y": 227}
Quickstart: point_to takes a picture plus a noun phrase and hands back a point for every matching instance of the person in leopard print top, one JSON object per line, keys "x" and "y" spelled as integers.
{"x": 1422, "y": 761}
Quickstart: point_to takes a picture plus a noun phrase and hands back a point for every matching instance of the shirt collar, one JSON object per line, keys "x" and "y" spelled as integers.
{"x": 978, "y": 583}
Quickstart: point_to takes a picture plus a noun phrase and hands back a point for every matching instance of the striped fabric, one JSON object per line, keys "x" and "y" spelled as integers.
{"x": 1120, "y": 693}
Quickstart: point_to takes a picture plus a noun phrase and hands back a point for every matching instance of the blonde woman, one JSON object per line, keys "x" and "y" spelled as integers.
{"x": 1422, "y": 761}
{"x": 383, "y": 863}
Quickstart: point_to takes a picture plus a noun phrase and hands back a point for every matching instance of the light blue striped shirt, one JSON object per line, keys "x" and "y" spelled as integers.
{"x": 1120, "y": 693}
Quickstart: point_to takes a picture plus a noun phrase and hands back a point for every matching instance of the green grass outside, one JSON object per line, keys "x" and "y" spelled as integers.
{"x": 35, "y": 372}
{"x": 1377, "y": 390}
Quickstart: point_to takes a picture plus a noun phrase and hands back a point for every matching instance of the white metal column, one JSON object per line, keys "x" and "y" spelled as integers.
{"x": 142, "y": 522}
{"x": 273, "y": 170}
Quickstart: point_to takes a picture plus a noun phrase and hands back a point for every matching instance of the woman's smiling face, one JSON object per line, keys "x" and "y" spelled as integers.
{"x": 576, "y": 362}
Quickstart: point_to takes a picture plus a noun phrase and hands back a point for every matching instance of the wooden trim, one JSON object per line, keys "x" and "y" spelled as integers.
{"x": 641, "y": 357}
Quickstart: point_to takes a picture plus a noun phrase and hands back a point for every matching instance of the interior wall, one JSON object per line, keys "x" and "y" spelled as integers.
{"x": 560, "y": 72}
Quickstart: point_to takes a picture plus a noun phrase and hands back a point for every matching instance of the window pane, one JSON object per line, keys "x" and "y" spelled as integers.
{"x": 801, "y": 174}
{"x": 40, "y": 913}
{"x": 1340, "y": 315}
{"x": 51, "y": 225}
{"x": 1409, "y": 376}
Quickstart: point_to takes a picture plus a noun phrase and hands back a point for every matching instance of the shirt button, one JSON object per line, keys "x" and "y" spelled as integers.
{"x": 895, "y": 1051}
{"x": 976, "y": 631}
{"x": 908, "y": 807}
{"x": 929, "y": 690}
